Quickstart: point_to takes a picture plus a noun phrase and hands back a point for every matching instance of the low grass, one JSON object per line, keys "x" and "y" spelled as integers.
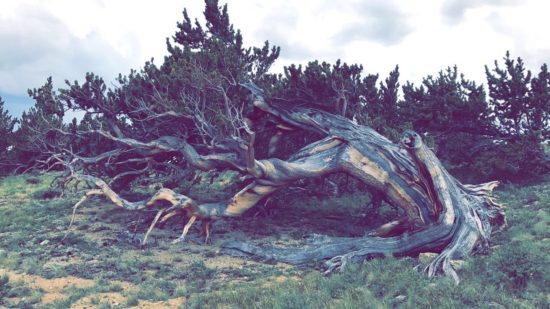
{"x": 514, "y": 274}
{"x": 17, "y": 294}
{"x": 101, "y": 248}
{"x": 74, "y": 293}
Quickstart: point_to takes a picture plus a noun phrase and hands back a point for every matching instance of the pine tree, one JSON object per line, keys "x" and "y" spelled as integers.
{"x": 539, "y": 104}
{"x": 446, "y": 103}
{"x": 383, "y": 111}
{"x": 38, "y": 135}
{"x": 7, "y": 124}
{"x": 519, "y": 105}
{"x": 509, "y": 93}
{"x": 451, "y": 112}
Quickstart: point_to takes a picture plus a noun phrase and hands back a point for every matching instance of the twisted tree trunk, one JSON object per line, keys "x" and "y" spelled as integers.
{"x": 442, "y": 215}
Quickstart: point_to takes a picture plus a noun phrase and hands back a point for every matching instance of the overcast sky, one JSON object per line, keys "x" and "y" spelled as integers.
{"x": 65, "y": 38}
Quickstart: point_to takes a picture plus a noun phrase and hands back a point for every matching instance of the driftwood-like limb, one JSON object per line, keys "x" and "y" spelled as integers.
{"x": 251, "y": 165}
{"x": 274, "y": 142}
{"x": 389, "y": 228}
{"x": 137, "y": 223}
{"x": 181, "y": 204}
{"x": 80, "y": 202}
{"x": 155, "y": 220}
{"x": 206, "y": 230}
{"x": 185, "y": 230}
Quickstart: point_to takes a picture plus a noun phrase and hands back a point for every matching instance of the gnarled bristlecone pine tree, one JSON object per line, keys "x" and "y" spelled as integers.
{"x": 442, "y": 215}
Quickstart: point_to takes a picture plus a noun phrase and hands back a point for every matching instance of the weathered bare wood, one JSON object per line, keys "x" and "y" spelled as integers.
{"x": 444, "y": 215}
{"x": 441, "y": 214}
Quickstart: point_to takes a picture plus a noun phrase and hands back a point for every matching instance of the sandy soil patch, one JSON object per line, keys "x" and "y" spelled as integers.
{"x": 169, "y": 304}
{"x": 53, "y": 288}
{"x": 88, "y": 302}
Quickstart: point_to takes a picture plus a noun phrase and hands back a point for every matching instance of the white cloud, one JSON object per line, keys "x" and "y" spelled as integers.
{"x": 381, "y": 22}
{"x": 454, "y": 10}
{"x": 65, "y": 38}
{"x": 37, "y": 44}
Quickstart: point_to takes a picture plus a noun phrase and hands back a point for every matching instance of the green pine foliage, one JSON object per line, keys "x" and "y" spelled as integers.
{"x": 39, "y": 134}
{"x": 7, "y": 124}
{"x": 481, "y": 132}
{"x": 520, "y": 109}
{"x": 453, "y": 114}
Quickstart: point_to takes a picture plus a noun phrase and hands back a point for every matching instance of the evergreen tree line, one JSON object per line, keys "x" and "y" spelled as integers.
{"x": 497, "y": 131}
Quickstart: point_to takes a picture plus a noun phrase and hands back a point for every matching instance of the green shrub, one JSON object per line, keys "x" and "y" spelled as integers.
{"x": 513, "y": 266}
{"x": 33, "y": 180}
{"x": 4, "y": 288}
{"x": 46, "y": 194}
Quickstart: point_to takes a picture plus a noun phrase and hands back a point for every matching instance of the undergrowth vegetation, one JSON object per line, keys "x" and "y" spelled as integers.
{"x": 101, "y": 264}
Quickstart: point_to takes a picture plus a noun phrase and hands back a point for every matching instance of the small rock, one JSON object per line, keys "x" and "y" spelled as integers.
{"x": 45, "y": 242}
{"x": 495, "y": 305}
{"x": 70, "y": 251}
{"x": 426, "y": 257}
{"x": 400, "y": 298}
{"x": 531, "y": 199}
{"x": 32, "y": 180}
{"x": 457, "y": 264}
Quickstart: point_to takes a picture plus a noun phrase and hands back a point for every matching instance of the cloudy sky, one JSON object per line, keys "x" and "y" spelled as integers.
{"x": 65, "y": 39}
